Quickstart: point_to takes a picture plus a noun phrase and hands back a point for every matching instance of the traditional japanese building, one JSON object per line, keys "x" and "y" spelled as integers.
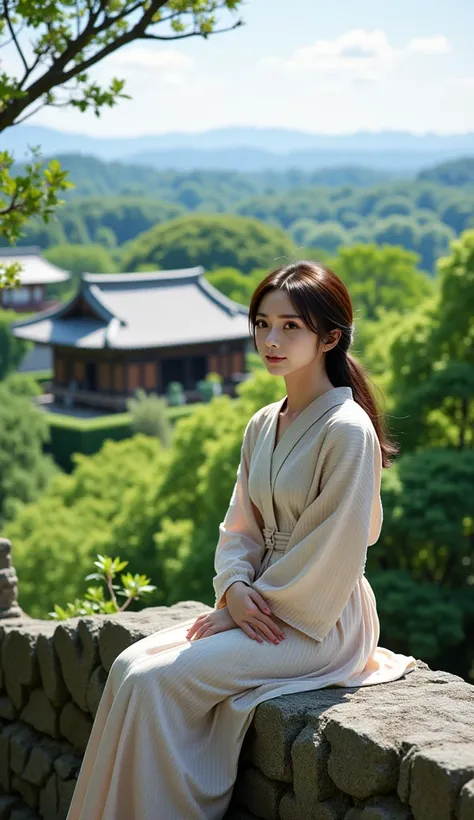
{"x": 36, "y": 273}
{"x": 130, "y": 330}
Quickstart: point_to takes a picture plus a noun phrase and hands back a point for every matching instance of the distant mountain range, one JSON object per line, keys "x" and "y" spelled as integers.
{"x": 252, "y": 149}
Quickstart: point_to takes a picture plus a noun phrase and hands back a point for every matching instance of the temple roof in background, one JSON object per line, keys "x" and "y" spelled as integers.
{"x": 35, "y": 269}
{"x": 129, "y": 311}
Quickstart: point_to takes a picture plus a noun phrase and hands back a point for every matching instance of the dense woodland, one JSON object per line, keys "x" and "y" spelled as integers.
{"x": 158, "y": 503}
{"x": 113, "y": 207}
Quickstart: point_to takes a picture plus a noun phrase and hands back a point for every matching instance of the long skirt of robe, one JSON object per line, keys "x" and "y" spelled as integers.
{"x": 173, "y": 715}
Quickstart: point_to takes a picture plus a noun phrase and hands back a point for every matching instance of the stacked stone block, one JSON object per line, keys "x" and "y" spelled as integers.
{"x": 398, "y": 751}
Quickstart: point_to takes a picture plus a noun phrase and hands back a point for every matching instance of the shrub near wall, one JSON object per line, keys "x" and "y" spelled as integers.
{"x": 72, "y": 435}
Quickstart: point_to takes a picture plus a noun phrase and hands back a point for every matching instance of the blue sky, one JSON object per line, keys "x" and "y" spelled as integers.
{"x": 326, "y": 67}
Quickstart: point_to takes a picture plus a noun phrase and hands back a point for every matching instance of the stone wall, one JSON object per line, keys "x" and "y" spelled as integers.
{"x": 389, "y": 752}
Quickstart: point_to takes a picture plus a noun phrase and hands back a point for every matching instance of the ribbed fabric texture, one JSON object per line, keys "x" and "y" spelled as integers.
{"x": 322, "y": 484}
{"x": 170, "y": 725}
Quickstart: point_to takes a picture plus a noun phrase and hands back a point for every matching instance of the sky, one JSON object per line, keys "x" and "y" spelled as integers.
{"x": 322, "y": 67}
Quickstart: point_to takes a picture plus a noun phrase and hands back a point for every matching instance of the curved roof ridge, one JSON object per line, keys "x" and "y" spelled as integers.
{"x": 144, "y": 276}
{"x": 94, "y": 295}
{"x": 221, "y": 299}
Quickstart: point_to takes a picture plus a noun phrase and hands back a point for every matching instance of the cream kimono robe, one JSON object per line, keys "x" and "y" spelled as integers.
{"x": 169, "y": 728}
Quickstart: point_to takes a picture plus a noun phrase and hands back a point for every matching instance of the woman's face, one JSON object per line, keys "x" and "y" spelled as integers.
{"x": 281, "y": 333}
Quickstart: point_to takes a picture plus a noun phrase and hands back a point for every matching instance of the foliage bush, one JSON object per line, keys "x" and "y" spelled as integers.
{"x": 208, "y": 240}
{"x": 149, "y": 415}
{"x": 133, "y": 587}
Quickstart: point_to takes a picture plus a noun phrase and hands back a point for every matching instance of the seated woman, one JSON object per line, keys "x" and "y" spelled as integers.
{"x": 294, "y": 611}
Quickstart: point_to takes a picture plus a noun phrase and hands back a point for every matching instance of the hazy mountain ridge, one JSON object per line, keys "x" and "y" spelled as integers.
{"x": 252, "y": 149}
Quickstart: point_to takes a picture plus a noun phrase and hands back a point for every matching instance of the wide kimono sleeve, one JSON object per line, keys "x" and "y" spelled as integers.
{"x": 240, "y": 546}
{"x": 311, "y": 584}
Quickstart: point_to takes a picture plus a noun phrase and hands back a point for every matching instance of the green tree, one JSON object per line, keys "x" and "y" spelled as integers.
{"x": 56, "y": 48}
{"x": 149, "y": 416}
{"x": 12, "y": 350}
{"x": 24, "y": 470}
{"x": 382, "y": 279}
{"x": 81, "y": 258}
{"x": 57, "y": 537}
{"x": 433, "y": 359}
{"x": 428, "y": 534}
{"x": 397, "y": 230}
{"x": 210, "y": 240}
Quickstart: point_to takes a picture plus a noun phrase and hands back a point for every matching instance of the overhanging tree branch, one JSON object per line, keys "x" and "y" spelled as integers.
{"x": 92, "y": 34}
{"x": 13, "y": 36}
{"x": 67, "y": 38}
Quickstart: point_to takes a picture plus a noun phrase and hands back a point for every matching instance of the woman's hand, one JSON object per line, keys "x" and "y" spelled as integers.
{"x": 250, "y": 611}
{"x": 210, "y": 623}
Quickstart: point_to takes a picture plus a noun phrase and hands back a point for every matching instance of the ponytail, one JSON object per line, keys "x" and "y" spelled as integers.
{"x": 344, "y": 371}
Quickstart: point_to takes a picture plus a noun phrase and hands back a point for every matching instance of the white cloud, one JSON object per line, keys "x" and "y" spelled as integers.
{"x": 464, "y": 82}
{"x": 360, "y": 54}
{"x": 143, "y": 57}
{"x": 356, "y": 50}
{"x": 166, "y": 65}
{"x": 437, "y": 44}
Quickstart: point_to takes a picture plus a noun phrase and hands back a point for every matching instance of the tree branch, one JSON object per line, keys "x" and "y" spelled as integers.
{"x": 13, "y": 36}
{"x": 56, "y": 75}
{"x": 192, "y": 33}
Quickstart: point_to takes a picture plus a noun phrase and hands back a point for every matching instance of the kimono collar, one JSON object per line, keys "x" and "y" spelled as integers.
{"x": 270, "y": 458}
{"x": 309, "y": 416}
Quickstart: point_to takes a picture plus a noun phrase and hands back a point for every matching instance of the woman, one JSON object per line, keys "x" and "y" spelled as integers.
{"x": 294, "y": 611}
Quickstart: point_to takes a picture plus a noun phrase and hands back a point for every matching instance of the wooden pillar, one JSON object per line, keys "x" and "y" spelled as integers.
{"x": 159, "y": 378}
{"x": 150, "y": 375}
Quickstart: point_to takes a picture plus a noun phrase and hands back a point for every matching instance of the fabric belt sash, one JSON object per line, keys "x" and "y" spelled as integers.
{"x": 274, "y": 540}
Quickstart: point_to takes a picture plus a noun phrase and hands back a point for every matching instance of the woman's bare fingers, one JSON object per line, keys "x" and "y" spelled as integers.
{"x": 245, "y": 627}
{"x": 263, "y": 629}
{"x": 260, "y": 601}
{"x": 270, "y": 624}
{"x": 197, "y": 623}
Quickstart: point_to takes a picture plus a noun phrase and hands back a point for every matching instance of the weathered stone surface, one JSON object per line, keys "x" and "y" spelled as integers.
{"x": 41, "y": 761}
{"x": 23, "y": 813}
{"x": 95, "y": 688}
{"x": 20, "y": 667}
{"x": 7, "y": 801}
{"x": 40, "y": 713}
{"x": 354, "y": 814}
{"x": 293, "y": 809}
{"x": 76, "y": 643}
{"x": 65, "y": 793}
{"x": 276, "y": 725}
{"x": 358, "y": 764}
{"x": 386, "y": 808}
{"x": 5, "y": 771}
{"x": 28, "y": 792}
{"x": 262, "y": 796}
{"x": 22, "y": 741}
{"x": 75, "y": 726}
{"x": 310, "y": 755}
{"x": 67, "y": 766}
{"x": 465, "y": 805}
{"x": 50, "y": 671}
{"x": 7, "y": 709}
{"x": 121, "y": 630}
{"x": 48, "y": 799}
{"x": 437, "y": 776}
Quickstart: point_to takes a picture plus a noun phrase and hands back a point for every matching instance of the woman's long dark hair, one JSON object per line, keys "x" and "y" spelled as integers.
{"x": 323, "y": 302}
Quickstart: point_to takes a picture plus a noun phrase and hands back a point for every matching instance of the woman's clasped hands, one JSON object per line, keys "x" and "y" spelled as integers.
{"x": 245, "y": 609}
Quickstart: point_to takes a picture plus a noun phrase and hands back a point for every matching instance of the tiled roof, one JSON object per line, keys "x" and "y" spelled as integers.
{"x": 140, "y": 310}
{"x": 35, "y": 269}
